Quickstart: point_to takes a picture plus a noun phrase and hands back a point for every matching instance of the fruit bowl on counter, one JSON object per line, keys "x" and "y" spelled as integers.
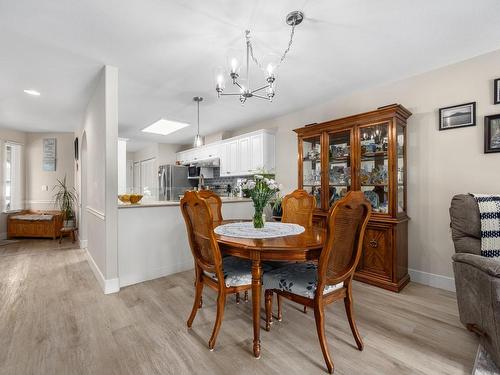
{"x": 130, "y": 198}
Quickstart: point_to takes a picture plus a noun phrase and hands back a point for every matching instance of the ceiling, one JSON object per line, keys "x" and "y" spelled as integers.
{"x": 166, "y": 52}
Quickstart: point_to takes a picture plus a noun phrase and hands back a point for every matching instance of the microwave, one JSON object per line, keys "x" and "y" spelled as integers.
{"x": 194, "y": 171}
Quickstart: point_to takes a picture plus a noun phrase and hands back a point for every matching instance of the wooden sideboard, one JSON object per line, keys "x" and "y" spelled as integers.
{"x": 17, "y": 227}
{"x": 364, "y": 152}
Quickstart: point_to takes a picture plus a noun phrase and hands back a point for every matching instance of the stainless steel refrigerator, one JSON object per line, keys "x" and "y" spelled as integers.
{"x": 172, "y": 182}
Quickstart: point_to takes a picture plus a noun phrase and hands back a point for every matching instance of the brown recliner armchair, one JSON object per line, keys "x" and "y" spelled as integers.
{"x": 477, "y": 278}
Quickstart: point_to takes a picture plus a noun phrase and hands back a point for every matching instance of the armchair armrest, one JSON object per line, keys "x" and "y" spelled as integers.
{"x": 491, "y": 266}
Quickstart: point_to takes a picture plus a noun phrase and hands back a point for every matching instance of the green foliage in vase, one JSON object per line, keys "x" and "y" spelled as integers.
{"x": 261, "y": 190}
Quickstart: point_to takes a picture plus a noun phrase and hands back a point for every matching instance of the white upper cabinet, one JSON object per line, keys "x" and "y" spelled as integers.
{"x": 243, "y": 155}
{"x": 245, "y": 164}
{"x": 229, "y": 159}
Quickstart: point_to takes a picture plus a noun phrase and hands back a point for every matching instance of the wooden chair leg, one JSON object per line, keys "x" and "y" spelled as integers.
{"x": 305, "y": 310}
{"x": 197, "y": 300}
{"x": 221, "y": 303}
{"x": 269, "y": 309}
{"x": 320, "y": 327}
{"x": 237, "y": 298}
{"x": 246, "y": 296}
{"x": 280, "y": 316}
{"x": 350, "y": 317}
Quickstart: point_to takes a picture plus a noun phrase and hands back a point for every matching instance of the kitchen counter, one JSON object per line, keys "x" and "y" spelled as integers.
{"x": 153, "y": 203}
{"x": 153, "y": 242}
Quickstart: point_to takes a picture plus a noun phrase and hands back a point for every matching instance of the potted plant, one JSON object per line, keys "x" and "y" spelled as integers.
{"x": 261, "y": 190}
{"x": 65, "y": 199}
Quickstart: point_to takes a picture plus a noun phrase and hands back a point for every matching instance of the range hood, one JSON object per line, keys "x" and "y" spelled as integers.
{"x": 207, "y": 163}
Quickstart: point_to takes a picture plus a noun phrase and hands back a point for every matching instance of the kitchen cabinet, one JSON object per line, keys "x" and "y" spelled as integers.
{"x": 229, "y": 165}
{"x": 243, "y": 155}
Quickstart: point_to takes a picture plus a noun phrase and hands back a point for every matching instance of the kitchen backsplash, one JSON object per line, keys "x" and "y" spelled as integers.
{"x": 219, "y": 184}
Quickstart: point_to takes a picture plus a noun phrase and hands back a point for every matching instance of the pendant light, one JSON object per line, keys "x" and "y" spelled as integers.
{"x": 198, "y": 141}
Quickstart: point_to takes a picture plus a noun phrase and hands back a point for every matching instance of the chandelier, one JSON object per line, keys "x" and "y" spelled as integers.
{"x": 244, "y": 88}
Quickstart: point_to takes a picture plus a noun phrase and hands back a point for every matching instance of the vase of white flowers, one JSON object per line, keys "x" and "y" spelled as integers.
{"x": 261, "y": 189}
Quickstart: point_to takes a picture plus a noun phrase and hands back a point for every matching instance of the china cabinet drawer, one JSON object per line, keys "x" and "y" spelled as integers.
{"x": 376, "y": 258}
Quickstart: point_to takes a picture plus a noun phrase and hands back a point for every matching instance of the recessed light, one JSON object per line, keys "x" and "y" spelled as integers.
{"x": 32, "y": 92}
{"x": 164, "y": 127}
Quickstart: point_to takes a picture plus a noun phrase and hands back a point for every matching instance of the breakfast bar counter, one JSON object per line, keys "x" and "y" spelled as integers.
{"x": 152, "y": 239}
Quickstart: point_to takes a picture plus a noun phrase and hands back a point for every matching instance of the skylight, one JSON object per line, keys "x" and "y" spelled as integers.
{"x": 32, "y": 92}
{"x": 164, "y": 127}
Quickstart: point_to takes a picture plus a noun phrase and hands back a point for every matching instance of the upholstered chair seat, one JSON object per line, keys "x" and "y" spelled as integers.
{"x": 236, "y": 271}
{"x": 296, "y": 278}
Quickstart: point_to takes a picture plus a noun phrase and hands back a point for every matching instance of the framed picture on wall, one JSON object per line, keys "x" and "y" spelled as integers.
{"x": 457, "y": 116}
{"x": 491, "y": 134}
{"x": 496, "y": 93}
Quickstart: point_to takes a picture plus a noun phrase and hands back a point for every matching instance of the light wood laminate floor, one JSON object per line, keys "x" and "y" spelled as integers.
{"x": 54, "y": 319}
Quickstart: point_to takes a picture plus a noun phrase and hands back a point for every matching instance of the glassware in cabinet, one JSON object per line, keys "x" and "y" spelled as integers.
{"x": 374, "y": 165}
{"x": 339, "y": 165}
{"x": 311, "y": 167}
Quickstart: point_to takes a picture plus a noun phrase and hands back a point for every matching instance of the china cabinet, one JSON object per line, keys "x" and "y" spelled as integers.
{"x": 364, "y": 152}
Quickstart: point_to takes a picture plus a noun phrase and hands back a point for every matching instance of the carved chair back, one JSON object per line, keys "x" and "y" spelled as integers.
{"x": 214, "y": 202}
{"x": 298, "y": 208}
{"x": 346, "y": 226}
{"x": 199, "y": 224}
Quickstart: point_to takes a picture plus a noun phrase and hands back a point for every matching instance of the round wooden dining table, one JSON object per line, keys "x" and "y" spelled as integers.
{"x": 301, "y": 247}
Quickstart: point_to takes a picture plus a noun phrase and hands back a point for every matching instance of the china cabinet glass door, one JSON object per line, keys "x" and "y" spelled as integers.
{"x": 339, "y": 165}
{"x": 311, "y": 167}
{"x": 401, "y": 165}
{"x": 374, "y": 165}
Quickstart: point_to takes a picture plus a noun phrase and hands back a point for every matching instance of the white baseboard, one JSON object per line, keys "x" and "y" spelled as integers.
{"x": 107, "y": 285}
{"x": 155, "y": 274}
{"x": 431, "y": 279}
{"x": 83, "y": 244}
{"x": 3, "y": 236}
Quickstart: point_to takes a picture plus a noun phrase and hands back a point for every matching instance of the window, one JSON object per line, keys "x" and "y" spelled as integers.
{"x": 13, "y": 188}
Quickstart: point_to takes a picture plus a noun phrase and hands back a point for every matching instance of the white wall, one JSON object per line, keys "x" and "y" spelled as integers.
{"x": 440, "y": 164}
{"x": 99, "y": 213}
{"x": 122, "y": 166}
{"x": 36, "y": 177}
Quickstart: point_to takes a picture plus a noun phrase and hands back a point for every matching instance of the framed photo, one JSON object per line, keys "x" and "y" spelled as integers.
{"x": 457, "y": 116}
{"x": 496, "y": 93}
{"x": 491, "y": 134}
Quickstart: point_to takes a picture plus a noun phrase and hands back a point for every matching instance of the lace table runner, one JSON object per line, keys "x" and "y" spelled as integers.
{"x": 270, "y": 230}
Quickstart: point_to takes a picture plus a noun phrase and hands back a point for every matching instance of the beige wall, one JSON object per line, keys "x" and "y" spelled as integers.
{"x": 36, "y": 177}
{"x": 440, "y": 164}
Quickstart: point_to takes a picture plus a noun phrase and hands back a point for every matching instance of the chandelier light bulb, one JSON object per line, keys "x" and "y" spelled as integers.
{"x": 220, "y": 81}
{"x": 270, "y": 70}
{"x": 234, "y": 65}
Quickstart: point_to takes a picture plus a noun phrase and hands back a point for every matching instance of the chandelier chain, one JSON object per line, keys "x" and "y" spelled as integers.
{"x": 283, "y": 56}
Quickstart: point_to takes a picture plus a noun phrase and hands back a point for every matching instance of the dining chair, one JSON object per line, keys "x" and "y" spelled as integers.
{"x": 227, "y": 275}
{"x": 316, "y": 285}
{"x": 298, "y": 208}
{"x": 215, "y": 205}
